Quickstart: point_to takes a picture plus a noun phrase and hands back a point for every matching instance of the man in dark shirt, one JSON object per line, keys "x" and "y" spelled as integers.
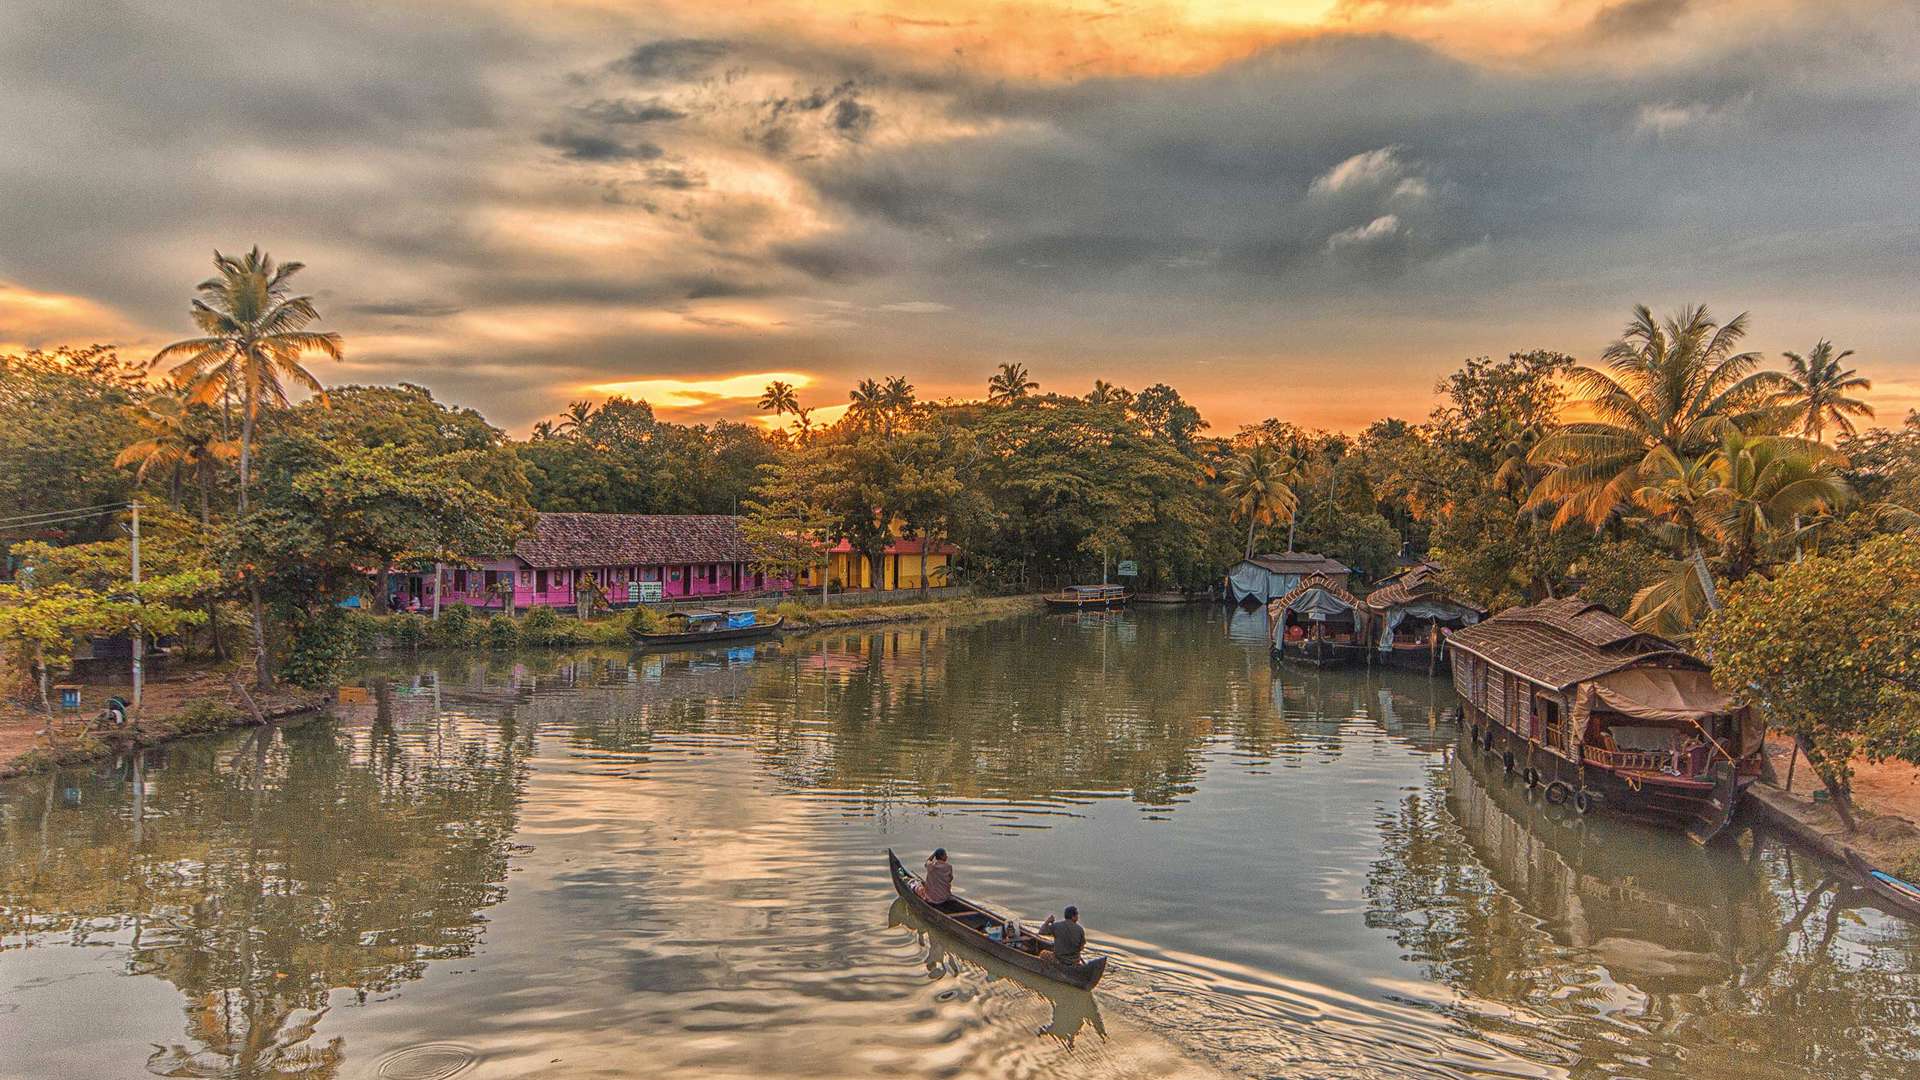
{"x": 1068, "y": 938}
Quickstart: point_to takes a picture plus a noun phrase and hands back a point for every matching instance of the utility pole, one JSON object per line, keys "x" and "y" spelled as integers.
{"x": 139, "y": 633}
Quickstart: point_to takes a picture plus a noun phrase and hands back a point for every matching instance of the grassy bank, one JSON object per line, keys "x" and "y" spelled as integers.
{"x": 806, "y": 617}
{"x": 196, "y": 702}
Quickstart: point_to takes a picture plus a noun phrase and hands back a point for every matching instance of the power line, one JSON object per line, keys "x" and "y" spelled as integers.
{"x": 65, "y": 515}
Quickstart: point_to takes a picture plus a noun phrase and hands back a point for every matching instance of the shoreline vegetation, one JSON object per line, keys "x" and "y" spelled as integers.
{"x": 1731, "y": 502}
{"x": 207, "y": 700}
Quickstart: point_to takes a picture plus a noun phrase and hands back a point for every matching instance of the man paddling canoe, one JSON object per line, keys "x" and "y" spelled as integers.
{"x": 1068, "y": 938}
{"x": 937, "y": 886}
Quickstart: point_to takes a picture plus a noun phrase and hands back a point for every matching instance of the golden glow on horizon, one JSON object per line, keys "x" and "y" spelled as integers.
{"x": 694, "y": 393}
{"x": 31, "y": 319}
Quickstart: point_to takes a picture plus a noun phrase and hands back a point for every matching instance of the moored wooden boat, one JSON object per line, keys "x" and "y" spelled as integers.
{"x": 705, "y": 626}
{"x": 1898, "y": 896}
{"x": 1088, "y": 598}
{"x": 972, "y": 923}
{"x": 1605, "y": 716}
{"x": 1318, "y": 623}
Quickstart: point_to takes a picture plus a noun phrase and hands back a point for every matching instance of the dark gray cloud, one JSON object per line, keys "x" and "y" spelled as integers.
{"x": 672, "y": 59}
{"x": 631, "y": 112}
{"x": 588, "y": 146}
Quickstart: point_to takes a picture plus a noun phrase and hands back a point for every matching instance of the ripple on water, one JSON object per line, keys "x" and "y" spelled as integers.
{"x": 428, "y": 1061}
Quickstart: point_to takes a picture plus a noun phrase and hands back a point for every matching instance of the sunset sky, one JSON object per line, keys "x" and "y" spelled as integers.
{"x": 1304, "y": 208}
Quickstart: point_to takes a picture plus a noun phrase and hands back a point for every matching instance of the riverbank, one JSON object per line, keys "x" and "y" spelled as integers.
{"x": 193, "y": 702}
{"x": 204, "y": 700}
{"x": 1886, "y": 802}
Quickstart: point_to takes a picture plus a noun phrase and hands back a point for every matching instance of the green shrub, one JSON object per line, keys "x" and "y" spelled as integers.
{"x": 645, "y": 620}
{"x": 321, "y": 643}
{"x": 363, "y": 629}
{"x": 794, "y": 612}
{"x": 406, "y": 630}
{"x": 206, "y": 714}
{"x": 545, "y": 626}
{"x": 503, "y": 632}
{"x": 455, "y": 628}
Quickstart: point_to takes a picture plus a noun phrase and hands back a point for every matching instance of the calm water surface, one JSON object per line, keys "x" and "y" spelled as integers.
{"x": 669, "y": 865}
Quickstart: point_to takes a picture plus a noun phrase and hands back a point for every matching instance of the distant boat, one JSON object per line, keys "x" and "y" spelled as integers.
{"x": 700, "y": 627}
{"x": 1089, "y": 597}
{"x": 979, "y": 928}
{"x": 1898, "y": 896}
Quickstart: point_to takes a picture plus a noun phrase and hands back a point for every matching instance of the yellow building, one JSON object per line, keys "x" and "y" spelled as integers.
{"x": 899, "y": 567}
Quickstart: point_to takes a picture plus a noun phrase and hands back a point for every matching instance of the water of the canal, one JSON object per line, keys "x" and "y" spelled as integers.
{"x": 670, "y": 865}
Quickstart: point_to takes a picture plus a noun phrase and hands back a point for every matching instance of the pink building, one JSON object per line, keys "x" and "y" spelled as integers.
{"x": 628, "y": 554}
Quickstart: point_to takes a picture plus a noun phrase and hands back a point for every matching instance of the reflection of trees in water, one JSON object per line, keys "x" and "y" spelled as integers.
{"x": 1627, "y": 947}
{"x": 264, "y": 873}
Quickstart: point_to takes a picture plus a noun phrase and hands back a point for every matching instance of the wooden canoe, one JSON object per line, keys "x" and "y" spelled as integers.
{"x": 969, "y": 922}
{"x": 1897, "y": 896}
{"x": 701, "y": 637}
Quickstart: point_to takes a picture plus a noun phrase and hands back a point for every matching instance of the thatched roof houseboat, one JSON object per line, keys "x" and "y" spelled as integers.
{"x": 1411, "y": 614}
{"x": 1318, "y": 622}
{"x": 1605, "y": 715}
{"x": 1263, "y": 579}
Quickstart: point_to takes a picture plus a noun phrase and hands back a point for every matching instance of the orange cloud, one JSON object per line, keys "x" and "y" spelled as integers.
{"x": 30, "y": 319}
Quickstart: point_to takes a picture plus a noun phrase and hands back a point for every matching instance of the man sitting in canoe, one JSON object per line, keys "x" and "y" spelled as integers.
{"x": 936, "y": 887}
{"x": 1068, "y": 938}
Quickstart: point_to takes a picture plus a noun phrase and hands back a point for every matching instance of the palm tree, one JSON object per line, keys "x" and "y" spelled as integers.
{"x": 1764, "y": 487}
{"x": 1105, "y": 393}
{"x": 1669, "y": 389}
{"x": 173, "y": 437}
{"x": 254, "y": 336}
{"x": 898, "y": 397}
{"x": 779, "y": 399}
{"x": 542, "y": 431}
{"x": 577, "y": 418}
{"x": 1816, "y": 389}
{"x": 869, "y": 402}
{"x": 1256, "y": 481}
{"x": 1010, "y": 385}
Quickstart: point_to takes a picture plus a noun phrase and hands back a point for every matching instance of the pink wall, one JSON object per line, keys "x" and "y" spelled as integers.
{"x": 676, "y": 580}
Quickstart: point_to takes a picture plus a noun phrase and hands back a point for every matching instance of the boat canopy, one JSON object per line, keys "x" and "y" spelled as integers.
{"x": 1096, "y": 590}
{"x": 1663, "y": 695}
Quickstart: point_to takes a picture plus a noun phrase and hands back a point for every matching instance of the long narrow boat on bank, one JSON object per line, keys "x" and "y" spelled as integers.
{"x": 1898, "y": 896}
{"x": 1088, "y": 598}
{"x": 700, "y": 627}
{"x": 1607, "y": 717}
{"x": 999, "y": 937}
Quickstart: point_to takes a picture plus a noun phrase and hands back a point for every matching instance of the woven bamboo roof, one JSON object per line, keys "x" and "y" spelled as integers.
{"x": 1327, "y": 583}
{"x": 1558, "y": 643}
{"x": 584, "y": 540}
{"x": 1414, "y": 584}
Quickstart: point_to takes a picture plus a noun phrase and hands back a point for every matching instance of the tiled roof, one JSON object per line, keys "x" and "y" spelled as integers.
{"x": 581, "y": 540}
{"x": 1300, "y": 562}
{"x": 1558, "y": 643}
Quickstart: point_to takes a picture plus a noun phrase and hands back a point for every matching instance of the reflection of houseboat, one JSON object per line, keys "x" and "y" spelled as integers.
{"x": 1658, "y": 915}
{"x": 1606, "y": 715}
{"x": 1088, "y": 598}
{"x": 1410, "y": 615}
{"x": 1320, "y": 623}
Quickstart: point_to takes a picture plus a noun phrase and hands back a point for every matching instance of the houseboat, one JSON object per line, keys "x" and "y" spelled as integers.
{"x": 1089, "y": 598}
{"x": 1605, "y": 716}
{"x": 1411, "y": 615}
{"x": 1320, "y": 623}
{"x": 1261, "y": 579}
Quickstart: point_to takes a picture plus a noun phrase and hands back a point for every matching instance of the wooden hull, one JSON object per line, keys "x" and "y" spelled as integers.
{"x": 736, "y": 633}
{"x": 1322, "y": 654}
{"x": 1895, "y": 895}
{"x": 1067, "y": 603}
{"x": 1419, "y": 658}
{"x": 1085, "y": 976}
{"x": 1704, "y": 808}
